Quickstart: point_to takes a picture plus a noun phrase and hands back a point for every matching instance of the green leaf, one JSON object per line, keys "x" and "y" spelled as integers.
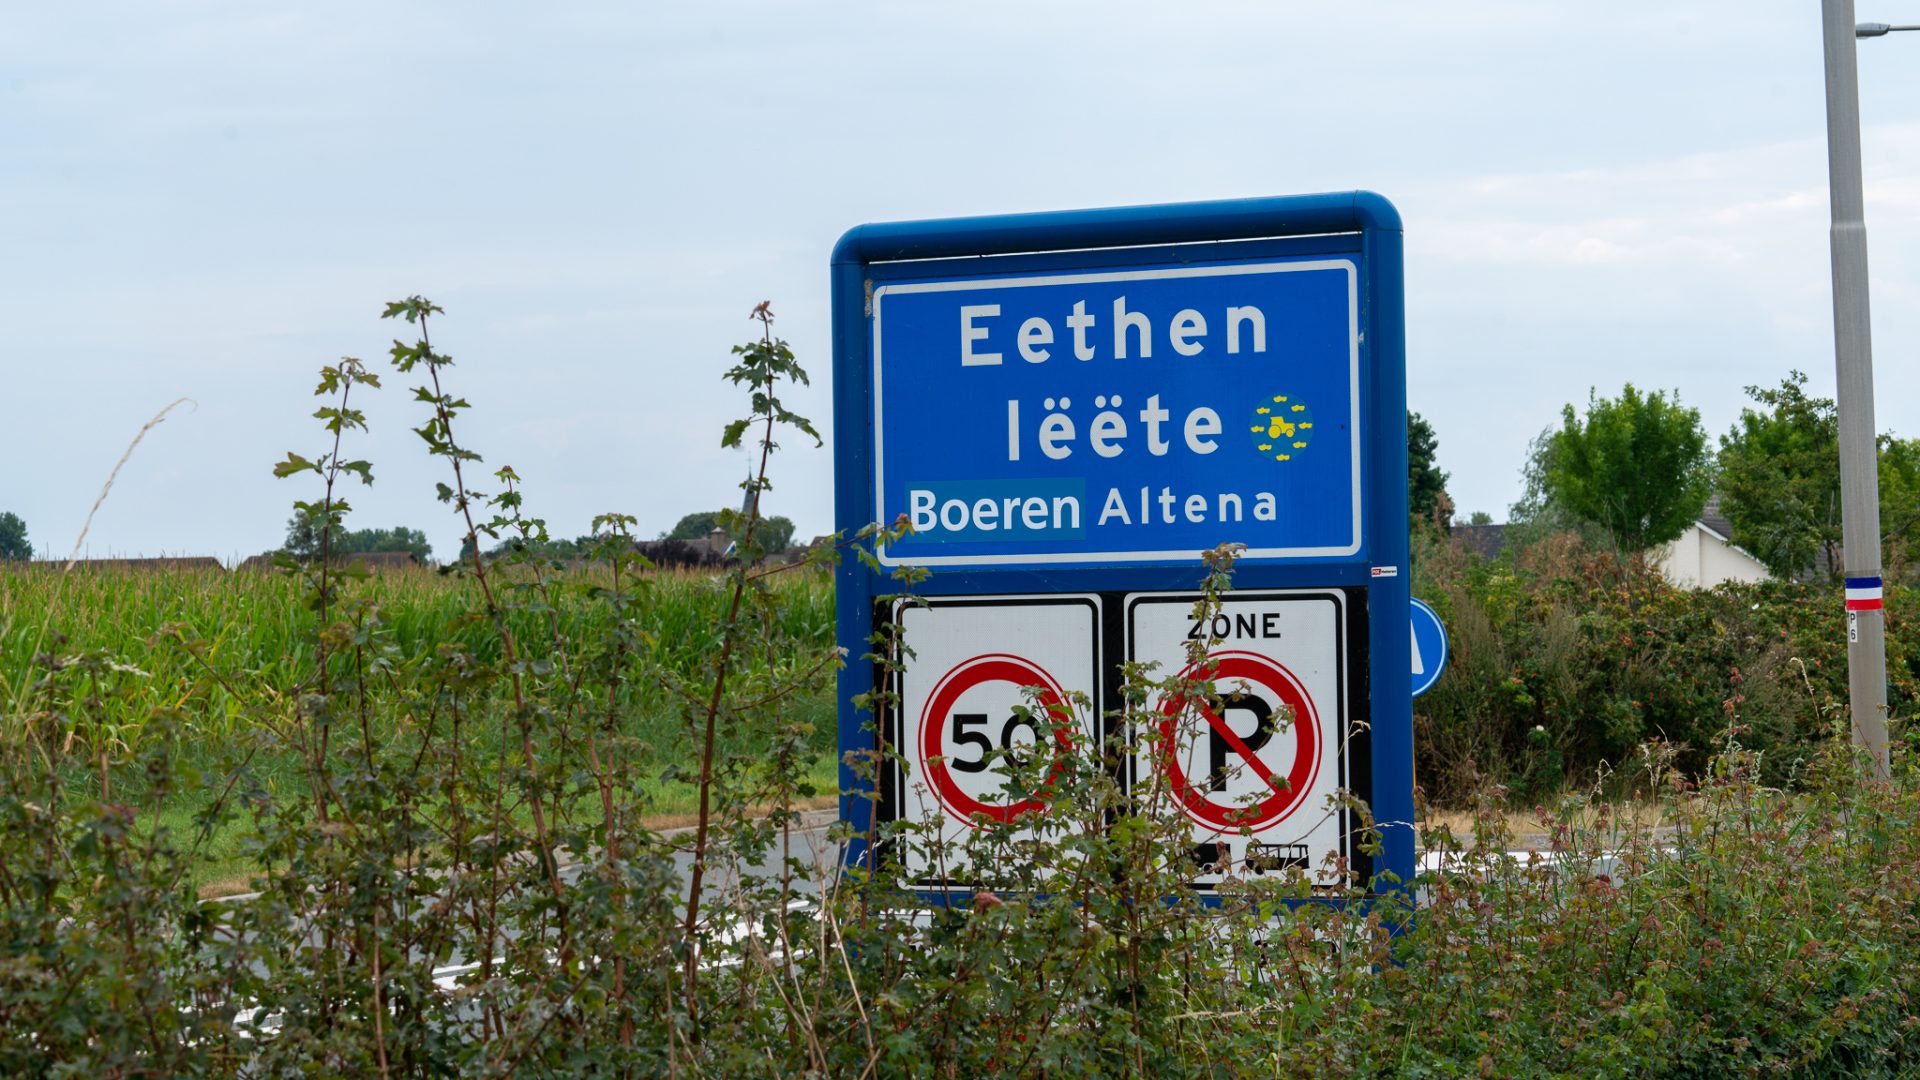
{"x": 294, "y": 464}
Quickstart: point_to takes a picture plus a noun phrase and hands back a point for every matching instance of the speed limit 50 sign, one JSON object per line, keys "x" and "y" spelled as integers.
{"x": 999, "y": 692}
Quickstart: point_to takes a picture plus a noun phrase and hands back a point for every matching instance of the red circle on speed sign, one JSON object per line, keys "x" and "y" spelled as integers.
{"x": 1285, "y": 794}
{"x": 967, "y": 675}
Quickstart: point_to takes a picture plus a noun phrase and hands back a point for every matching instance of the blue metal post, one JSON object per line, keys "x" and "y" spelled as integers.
{"x": 1389, "y": 644}
{"x": 852, "y": 511}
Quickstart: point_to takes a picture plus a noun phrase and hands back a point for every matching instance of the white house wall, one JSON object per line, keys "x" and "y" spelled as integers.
{"x": 1702, "y": 558}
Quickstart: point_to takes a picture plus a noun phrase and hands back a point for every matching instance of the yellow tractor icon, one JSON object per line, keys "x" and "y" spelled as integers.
{"x": 1271, "y": 427}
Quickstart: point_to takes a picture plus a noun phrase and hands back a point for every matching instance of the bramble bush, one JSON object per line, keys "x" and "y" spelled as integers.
{"x": 1565, "y": 659}
{"x": 465, "y": 883}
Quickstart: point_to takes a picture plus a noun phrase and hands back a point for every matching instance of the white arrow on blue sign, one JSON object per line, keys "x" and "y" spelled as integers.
{"x": 1429, "y": 647}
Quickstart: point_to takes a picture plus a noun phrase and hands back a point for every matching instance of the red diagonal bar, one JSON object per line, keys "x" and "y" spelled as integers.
{"x": 1240, "y": 747}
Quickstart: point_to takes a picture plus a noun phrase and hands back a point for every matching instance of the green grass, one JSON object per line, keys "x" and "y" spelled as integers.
{"x": 223, "y": 863}
{"x": 258, "y": 634}
{"x": 257, "y": 626}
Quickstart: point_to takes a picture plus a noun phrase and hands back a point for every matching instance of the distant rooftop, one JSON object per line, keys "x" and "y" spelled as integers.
{"x": 1712, "y": 518}
{"x": 165, "y": 562}
{"x": 1483, "y": 540}
{"x": 1486, "y": 541}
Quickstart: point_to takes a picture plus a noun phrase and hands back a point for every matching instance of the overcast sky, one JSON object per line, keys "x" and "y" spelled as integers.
{"x": 211, "y": 200}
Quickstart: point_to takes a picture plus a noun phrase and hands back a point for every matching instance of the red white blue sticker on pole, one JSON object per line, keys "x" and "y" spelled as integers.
{"x": 1864, "y": 594}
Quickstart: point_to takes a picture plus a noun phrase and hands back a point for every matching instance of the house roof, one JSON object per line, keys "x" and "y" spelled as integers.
{"x": 1487, "y": 541}
{"x": 1713, "y": 519}
{"x": 1483, "y": 540}
{"x": 165, "y": 562}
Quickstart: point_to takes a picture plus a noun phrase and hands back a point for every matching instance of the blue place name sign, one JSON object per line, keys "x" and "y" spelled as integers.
{"x": 1135, "y": 415}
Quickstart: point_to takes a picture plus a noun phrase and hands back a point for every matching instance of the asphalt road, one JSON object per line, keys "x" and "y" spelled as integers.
{"x": 809, "y": 843}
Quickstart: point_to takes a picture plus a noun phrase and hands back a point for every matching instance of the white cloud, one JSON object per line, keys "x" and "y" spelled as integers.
{"x": 208, "y": 197}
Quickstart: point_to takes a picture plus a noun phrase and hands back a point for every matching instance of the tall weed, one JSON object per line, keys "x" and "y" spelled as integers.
{"x": 466, "y": 883}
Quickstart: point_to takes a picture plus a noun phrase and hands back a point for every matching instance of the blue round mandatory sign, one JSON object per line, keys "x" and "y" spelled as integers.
{"x": 1429, "y": 647}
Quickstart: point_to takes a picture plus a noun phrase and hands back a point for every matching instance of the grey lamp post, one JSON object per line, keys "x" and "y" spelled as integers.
{"x": 1853, "y": 366}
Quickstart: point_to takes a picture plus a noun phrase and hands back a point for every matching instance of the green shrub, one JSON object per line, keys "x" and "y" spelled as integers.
{"x": 1565, "y": 660}
{"x": 1749, "y": 932}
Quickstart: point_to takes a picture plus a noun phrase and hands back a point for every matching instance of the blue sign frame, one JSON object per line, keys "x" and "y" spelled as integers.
{"x": 971, "y": 257}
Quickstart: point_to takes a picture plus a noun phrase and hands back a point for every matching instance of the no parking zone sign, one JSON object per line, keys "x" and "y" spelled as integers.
{"x": 1258, "y": 770}
{"x": 1068, "y": 409}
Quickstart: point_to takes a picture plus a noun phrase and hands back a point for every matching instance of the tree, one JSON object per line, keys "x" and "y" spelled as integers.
{"x": 1899, "y": 498}
{"x": 773, "y": 533}
{"x": 1427, "y": 498}
{"x": 13, "y": 538}
{"x": 552, "y": 548}
{"x": 1537, "y": 515}
{"x": 695, "y": 526}
{"x": 1637, "y": 465}
{"x": 1480, "y": 517}
{"x": 399, "y": 538}
{"x": 555, "y": 548}
{"x": 1780, "y": 481}
{"x": 1536, "y": 506}
{"x": 1780, "y": 478}
{"x": 303, "y": 540}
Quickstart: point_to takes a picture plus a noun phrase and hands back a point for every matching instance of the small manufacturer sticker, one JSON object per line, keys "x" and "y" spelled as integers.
{"x": 1386, "y": 571}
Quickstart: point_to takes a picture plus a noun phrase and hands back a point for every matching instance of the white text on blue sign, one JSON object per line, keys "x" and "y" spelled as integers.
{"x": 1120, "y": 416}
